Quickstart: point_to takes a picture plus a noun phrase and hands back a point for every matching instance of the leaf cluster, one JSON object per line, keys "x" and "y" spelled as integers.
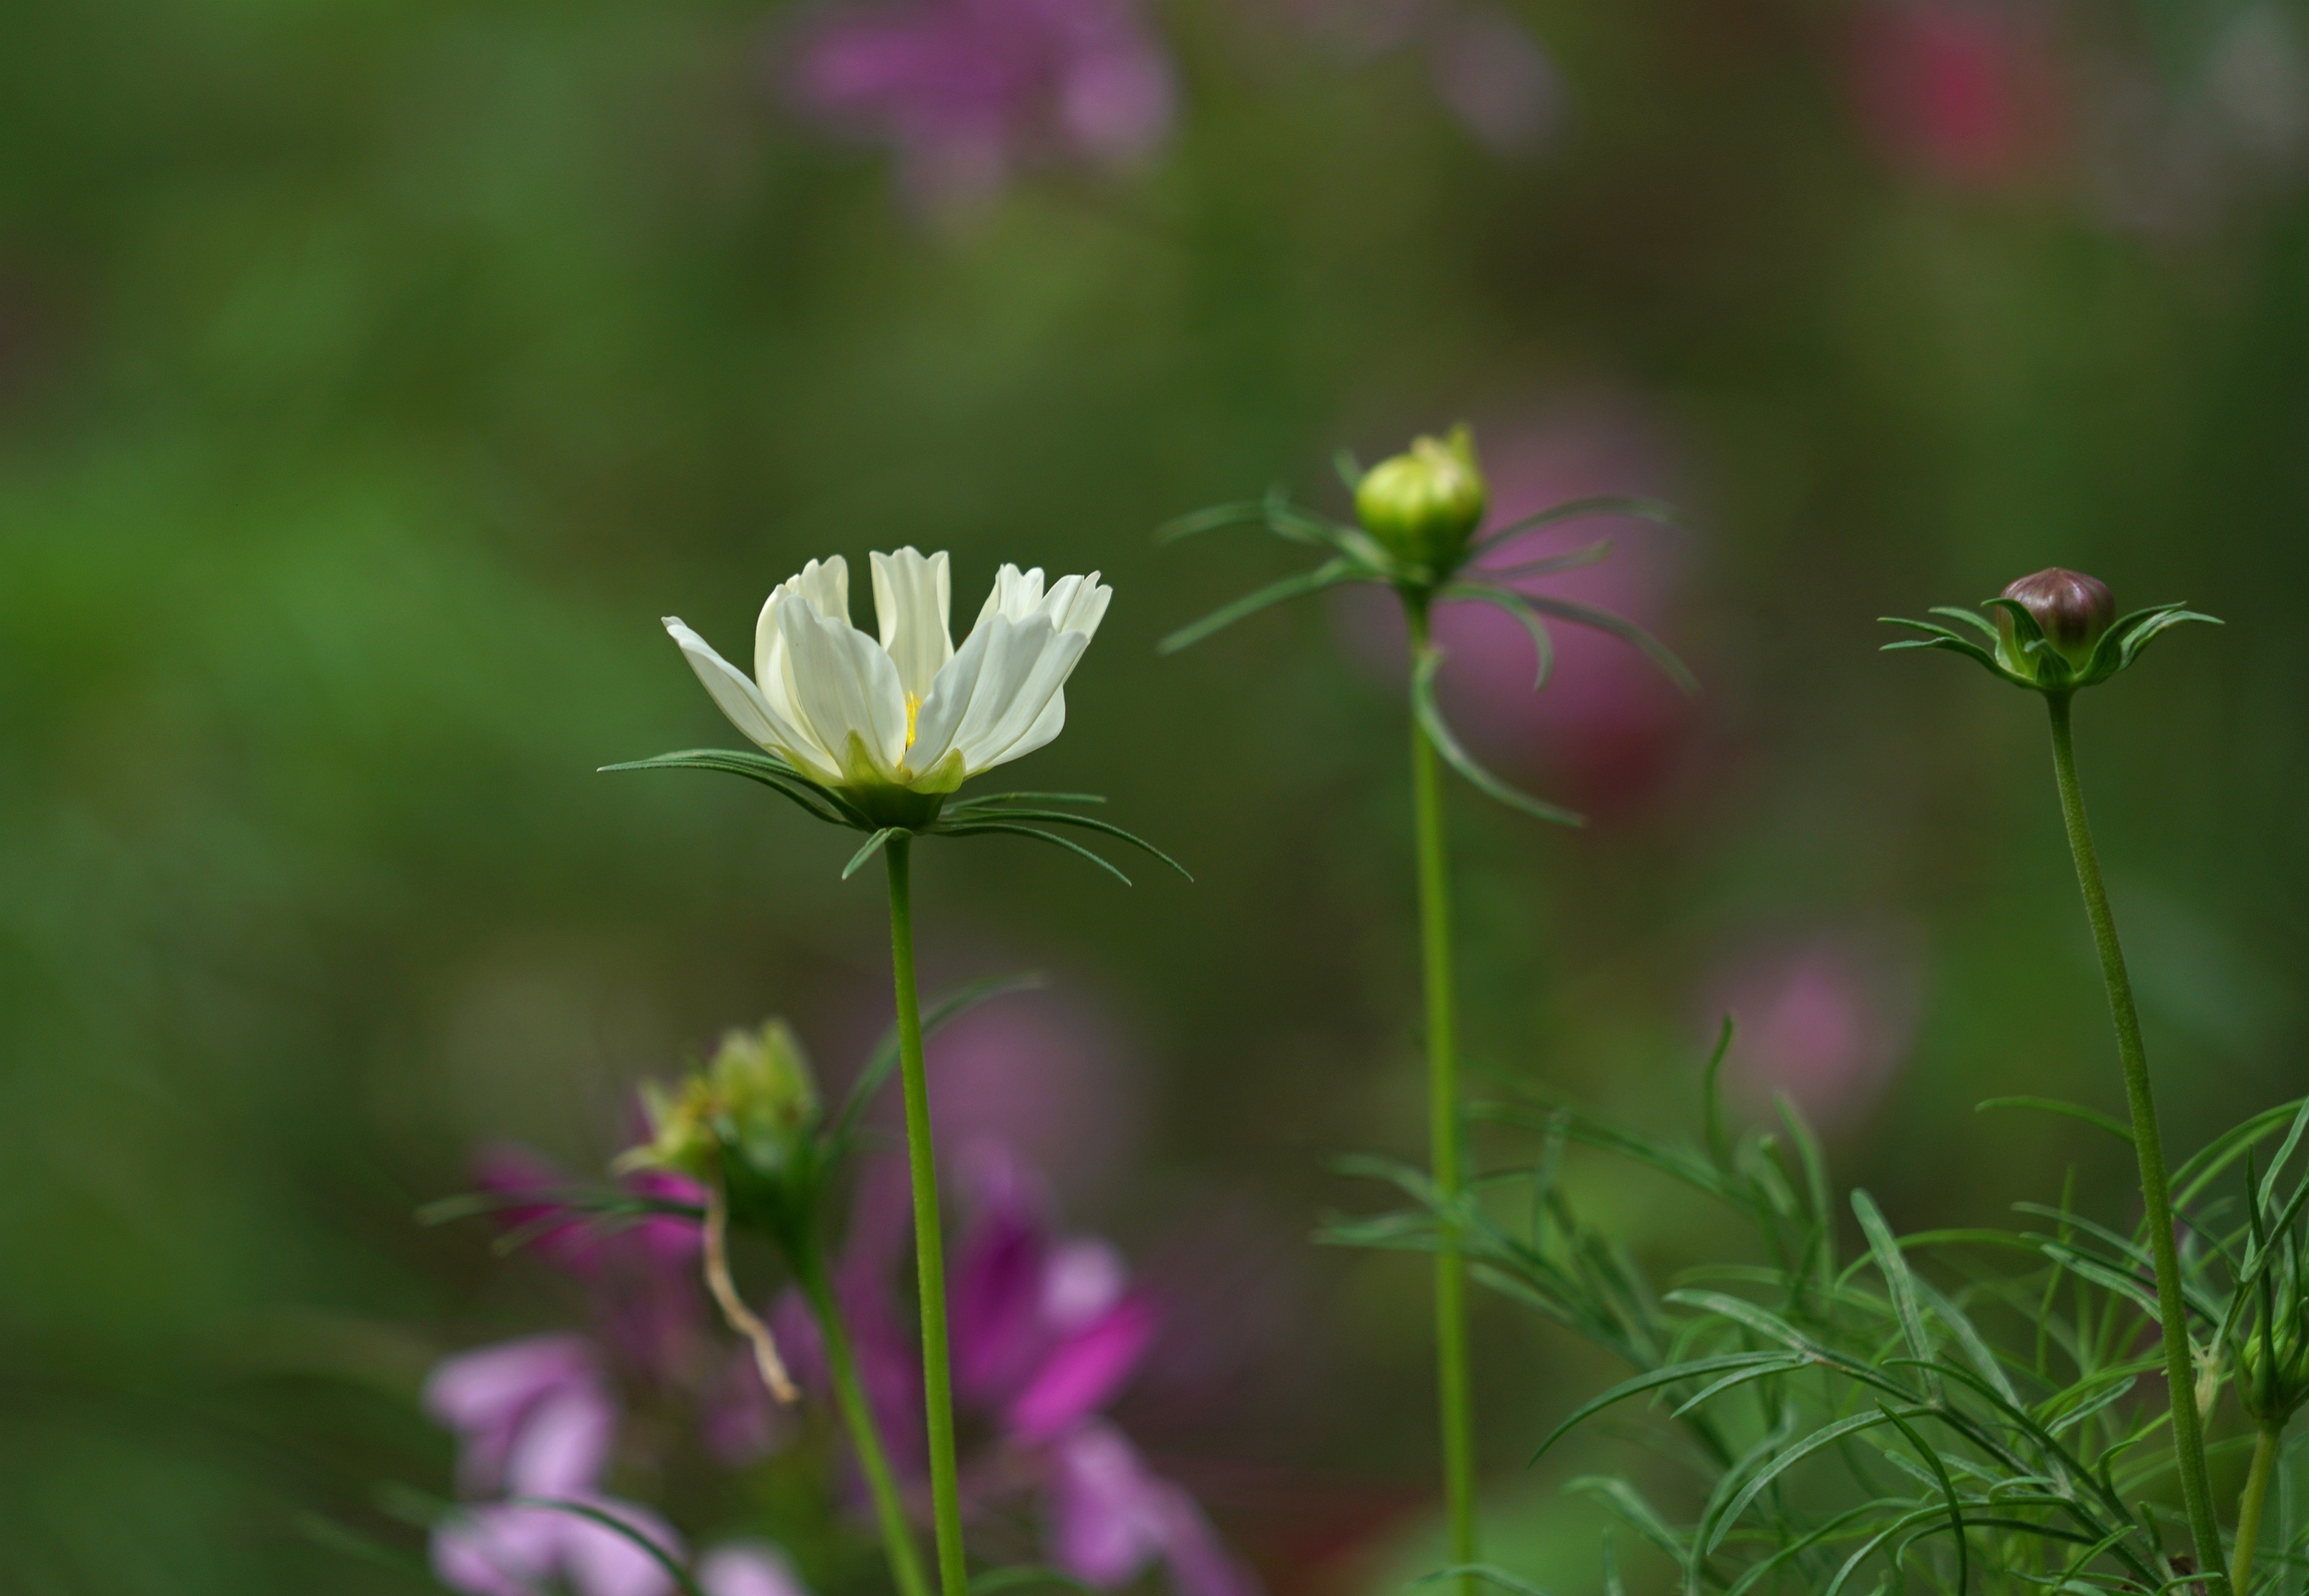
{"x": 1856, "y": 1409}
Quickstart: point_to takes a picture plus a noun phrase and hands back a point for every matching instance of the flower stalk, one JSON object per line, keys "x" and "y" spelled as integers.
{"x": 929, "y": 1244}
{"x": 2265, "y": 1447}
{"x": 1454, "y": 1389}
{"x": 857, "y": 1416}
{"x": 2188, "y": 1425}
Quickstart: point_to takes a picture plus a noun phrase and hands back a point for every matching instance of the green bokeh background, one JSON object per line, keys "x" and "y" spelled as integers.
{"x": 372, "y": 377}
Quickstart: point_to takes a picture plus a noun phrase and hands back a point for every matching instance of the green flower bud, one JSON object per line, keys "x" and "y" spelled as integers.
{"x": 1423, "y": 505}
{"x": 763, "y": 1089}
{"x": 2072, "y": 612}
{"x": 755, "y": 1101}
{"x": 2271, "y": 1388}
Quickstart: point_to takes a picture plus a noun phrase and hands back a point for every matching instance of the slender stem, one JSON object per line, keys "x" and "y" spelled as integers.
{"x": 929, "y": 1243}
{"x": 1454, "y": 1392}
{"x": 2180, "y": 1370}
{"x": 850, "y": 1395}
{"x": 2265, "y": 1447}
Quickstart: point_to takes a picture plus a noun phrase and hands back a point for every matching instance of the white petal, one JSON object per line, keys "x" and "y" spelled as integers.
{"x": 1047, "y": 725}
{"x": 911, "y": 598}
{"x": 1015, "y": 595}
{"x": 844, "y": 684}
{"x": 747, "y": 710}
{"x": 999, "y": 683}
{"x": 1084, "y": 606}
{"x": 825, "y": 584}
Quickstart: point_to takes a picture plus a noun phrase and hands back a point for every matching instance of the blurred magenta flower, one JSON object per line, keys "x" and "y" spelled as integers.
{"x": 536, "y": 1419}
{"x": 969, "y": 91}
{"x": 1608, "y": 721}
{"x": 1826, "y": 1021}
{"x": 747, "y": 1568}
{"x": 1045, "y": 1078}
{"x": 642, "y": 1277}
{"x": 1963, "y": 90}
{"x": 547, "y": 1386}
{"x": 1047, "y": 1332}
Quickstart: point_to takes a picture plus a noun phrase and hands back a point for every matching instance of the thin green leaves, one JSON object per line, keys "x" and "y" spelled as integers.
{"x": 980, "y": 828}
{"x": 1626, "y": 631}
{"x": 873, "y": 845}
{"x": 1893, "y": 1265}
{"x": 1438, "y": 732}
{"x": 820, "y": 803}
{"x": 1330, "y": 574}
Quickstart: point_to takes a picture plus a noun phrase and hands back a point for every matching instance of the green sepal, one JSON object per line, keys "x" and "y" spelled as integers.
{"x": 1430, "y": 717}
{"x": 1626, "y": 631}
{"x": 873, "y": 845}
{"x": 1516, "y": 610}
{"x": 1327, "y": 574}
{"x": 815, "y": 798}
{"x": 1635, "y": 509}
{"x": 1572, "y": 560}
{"x": 1088, "y": 822}
{"x": 979, "y": 828}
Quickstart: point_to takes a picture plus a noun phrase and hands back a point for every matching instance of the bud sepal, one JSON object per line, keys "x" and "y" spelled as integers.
{"x": 2083, "y": 648}
{"x": 1419, "y": 513}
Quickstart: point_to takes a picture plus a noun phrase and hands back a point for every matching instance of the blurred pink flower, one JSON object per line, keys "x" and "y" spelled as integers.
{"x": 1045, "y": 1333}
{"x": 1491, "y": 72}
{"x": 1497, "y": 79}
{"x": 1606, "y": 722}
{"x": 969, "y": 90}
{"x": 505, "y": 1549}
{"x": 1044, "y": 1075}
{"x": 641, "y": 1276}
{"x": 1964, "y": 90}
{"x": 536, "y": 1419}
{"x": 747, "y": 1568}
{"x": 1826, "y": 1021}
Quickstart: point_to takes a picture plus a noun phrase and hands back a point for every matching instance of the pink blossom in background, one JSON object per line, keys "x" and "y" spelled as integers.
{"x": 748, "y": 1569}
{"x": 1497, "y": 79}
{"x": 1492, "y": 74}
{"x": 536, "y": 1419}
{"x": 1041, "y": 1075}
{"x": 1964, "y": 90}
{"x": 968, "y": 91}
{"x": 1828, "y": 1021}
{"x": 1046, "y": 1333}
{"x": 642, "y": 1277}
{"x": 1603, "y": 730}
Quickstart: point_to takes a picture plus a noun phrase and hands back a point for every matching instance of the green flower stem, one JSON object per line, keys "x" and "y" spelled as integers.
{"x": 929, "y": 1242}
{"x": 2180, "y": 1372}
{"x": 1455, "y": 1395}
{"x": 857, "y": 1416}
{"x": 2265, "y": 1448}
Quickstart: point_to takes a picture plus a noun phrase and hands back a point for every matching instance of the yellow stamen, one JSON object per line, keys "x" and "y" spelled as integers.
{"x": 913, "y": 708}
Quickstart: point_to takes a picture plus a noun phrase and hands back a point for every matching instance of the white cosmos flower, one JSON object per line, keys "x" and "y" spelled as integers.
{"x": 908, "y": 710}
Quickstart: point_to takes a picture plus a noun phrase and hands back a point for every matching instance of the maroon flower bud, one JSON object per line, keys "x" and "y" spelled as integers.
{"x": 2071, "y": 608}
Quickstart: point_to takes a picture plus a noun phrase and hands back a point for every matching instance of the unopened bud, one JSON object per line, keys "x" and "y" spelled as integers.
{"x": 763, "y": 1087}
{"x": 2071, "y": 608}
{"x": 1423, "y": 504}
{"x": 756, "y": 1099}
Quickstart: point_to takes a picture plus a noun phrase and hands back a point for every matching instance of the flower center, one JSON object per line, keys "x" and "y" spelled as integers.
{"x": 913, "y": 709}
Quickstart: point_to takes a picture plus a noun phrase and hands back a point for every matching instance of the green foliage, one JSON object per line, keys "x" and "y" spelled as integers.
{"x": 1964, "y": 1409}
